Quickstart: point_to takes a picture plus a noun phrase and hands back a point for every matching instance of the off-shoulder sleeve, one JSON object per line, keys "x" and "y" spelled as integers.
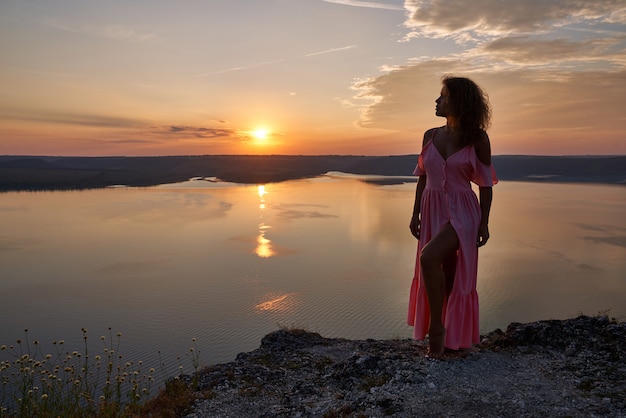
{"x": 420, "y": 168}
{"x": 483, "y": 175}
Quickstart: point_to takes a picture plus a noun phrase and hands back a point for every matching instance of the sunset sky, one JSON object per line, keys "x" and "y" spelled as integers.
{"x": 195, "y": 77}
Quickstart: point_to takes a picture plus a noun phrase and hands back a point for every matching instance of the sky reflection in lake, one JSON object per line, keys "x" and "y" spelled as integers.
{"x": 226, "y": 263}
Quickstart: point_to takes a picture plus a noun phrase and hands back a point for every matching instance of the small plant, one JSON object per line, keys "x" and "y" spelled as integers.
{"x": 70, "y": 383}
{"x": 194, "y": 358}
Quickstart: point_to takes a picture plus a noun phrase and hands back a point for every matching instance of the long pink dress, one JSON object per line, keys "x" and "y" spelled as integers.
{"x": 448, "y": 197}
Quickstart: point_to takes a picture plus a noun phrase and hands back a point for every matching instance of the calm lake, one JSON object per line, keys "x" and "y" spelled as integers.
{"x": 227, "y": 263}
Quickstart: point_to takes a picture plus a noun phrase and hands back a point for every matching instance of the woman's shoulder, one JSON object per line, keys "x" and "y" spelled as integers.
{"x": 429, "y": 135}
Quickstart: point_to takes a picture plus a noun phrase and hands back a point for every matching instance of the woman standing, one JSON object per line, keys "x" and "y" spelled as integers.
{"x": 449, "y": 220}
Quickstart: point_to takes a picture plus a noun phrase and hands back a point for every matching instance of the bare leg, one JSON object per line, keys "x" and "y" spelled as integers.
{"x": 439, "y": 249}
{"x": 449, "y": 269}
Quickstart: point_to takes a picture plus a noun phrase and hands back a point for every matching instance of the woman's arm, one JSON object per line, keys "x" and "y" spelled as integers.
{"x": 485, "y": 194}
{"x": 415, "y": 224}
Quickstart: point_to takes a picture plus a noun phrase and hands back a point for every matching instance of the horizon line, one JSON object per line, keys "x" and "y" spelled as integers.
{"x": 289, "y": 155}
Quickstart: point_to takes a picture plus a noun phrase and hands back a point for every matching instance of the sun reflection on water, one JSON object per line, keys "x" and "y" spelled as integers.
{"x": 264, "y": 245}
{"x": 261, "y": 191}
{"x": 282, "y": 303}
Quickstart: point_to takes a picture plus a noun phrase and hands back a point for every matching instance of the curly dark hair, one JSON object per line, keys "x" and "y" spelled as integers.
{"x": 469, "y": 106}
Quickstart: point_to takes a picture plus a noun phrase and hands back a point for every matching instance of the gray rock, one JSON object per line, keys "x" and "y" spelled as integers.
{"x": 571, "y": 368}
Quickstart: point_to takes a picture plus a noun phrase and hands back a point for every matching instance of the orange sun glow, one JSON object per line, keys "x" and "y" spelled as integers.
{"x": 260, "y": 134}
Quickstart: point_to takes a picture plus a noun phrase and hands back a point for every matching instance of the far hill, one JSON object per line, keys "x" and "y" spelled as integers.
{"x": 59, "y": 173}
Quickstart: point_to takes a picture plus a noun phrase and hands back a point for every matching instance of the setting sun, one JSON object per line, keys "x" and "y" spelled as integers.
{"x": 260, "y": 134}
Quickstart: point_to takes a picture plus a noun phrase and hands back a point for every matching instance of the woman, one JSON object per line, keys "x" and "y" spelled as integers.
{"x": 449, "y": 221}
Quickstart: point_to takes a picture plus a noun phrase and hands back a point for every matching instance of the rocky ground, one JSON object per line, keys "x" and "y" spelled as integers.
{"x": 571, "y": 368}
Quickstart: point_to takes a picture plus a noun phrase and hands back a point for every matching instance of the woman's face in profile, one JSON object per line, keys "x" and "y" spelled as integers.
{"x": 442, "y": 103}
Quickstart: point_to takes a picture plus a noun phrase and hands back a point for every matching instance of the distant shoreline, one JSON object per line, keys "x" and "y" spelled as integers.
{"x": 74, "y": 173}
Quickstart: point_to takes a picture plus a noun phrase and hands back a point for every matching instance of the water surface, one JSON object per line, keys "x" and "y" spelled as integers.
{"x": 227, "y": 263}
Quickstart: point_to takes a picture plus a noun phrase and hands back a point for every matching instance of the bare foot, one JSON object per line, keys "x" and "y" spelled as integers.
{"x": 436, "y": 342}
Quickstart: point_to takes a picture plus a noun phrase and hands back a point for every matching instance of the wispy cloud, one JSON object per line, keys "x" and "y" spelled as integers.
{"x": 199, "y": 132}
{"x": 140, "y": 127}
{"x": 124, "y": 141}
{"x": 245, "y": 67}
{"x": 328, "y": 51}
{"x": 111, "y": 31}
{"x": 267, "y": 63}
{"x": 121, "y": 33}
{"x": 68, "y": 118}
{"x": 368, "y": 4}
